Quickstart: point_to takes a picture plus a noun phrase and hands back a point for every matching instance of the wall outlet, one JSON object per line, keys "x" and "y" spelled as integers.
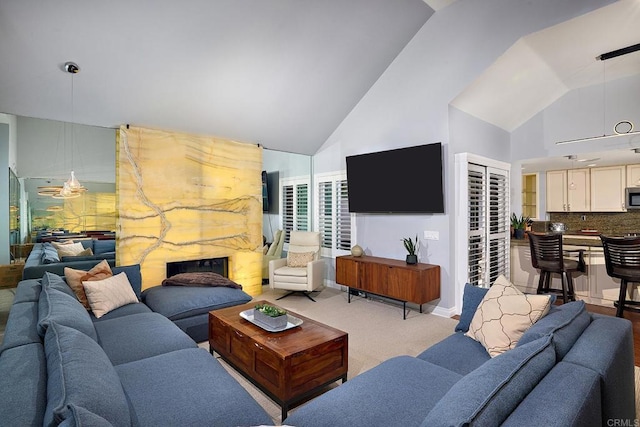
{"x": 431, "y": 235}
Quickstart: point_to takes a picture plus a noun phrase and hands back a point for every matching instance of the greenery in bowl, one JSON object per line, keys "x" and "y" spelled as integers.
{"x": 270, "y": 310}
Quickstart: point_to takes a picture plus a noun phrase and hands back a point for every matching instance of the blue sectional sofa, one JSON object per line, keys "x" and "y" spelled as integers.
{"x": 60, "y": 365}
{"x": 571, "y": 368}
{"x": 44, "y": 257}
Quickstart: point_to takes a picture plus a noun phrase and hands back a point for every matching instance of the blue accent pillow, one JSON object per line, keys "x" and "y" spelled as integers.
{"x": 470, "y": 300}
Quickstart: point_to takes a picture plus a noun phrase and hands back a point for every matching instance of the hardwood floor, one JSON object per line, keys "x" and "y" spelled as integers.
{"x": 635, "y": 321}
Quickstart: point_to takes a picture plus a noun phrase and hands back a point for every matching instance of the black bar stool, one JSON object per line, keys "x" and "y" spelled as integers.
{"x": 622, "y": 258}
{"x": 547, "y": 255}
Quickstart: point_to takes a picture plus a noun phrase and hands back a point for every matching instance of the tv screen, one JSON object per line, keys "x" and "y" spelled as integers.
{"x": 404, "y": 180}
{"x": 265, "y": 192}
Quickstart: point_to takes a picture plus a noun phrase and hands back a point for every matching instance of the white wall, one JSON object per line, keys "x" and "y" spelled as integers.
{"x": 46, "y": 149}
{"x": 409, "y": 105}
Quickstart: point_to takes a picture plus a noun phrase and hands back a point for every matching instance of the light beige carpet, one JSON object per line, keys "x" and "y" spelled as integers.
{"x": 376, "y": 331}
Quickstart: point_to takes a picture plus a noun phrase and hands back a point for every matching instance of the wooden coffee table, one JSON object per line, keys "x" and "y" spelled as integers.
{"x": 288, "y": 366}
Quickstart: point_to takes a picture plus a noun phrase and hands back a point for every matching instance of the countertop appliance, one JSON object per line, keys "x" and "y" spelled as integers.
{"x": 632, "y": 197}
{"x": 557, "y": 226}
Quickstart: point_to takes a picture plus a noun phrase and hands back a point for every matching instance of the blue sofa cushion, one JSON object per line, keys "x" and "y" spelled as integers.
{"x": 557, "y": 390}
{"x": 606, "y": 347}
{"x": 49, "y": 254}
{"x": 24, "y": 378}
{"x": 21, "y": 326}
{"x": 566, "y": 323}
{"x": 457, "y": 353}
{"x": 80, "y": 373}
{"x": 28, "y": 290}
{"x": 179, "y": 302}
{"x": 103, "y": 246}
{"x": 58, "y": 307}
{"x": 125, "y": 310}
{"x": 214, "y": 397}
{"x": 51, "y": 280}
{"x": 77, "y": 416}
{"x": 133, "y": 274}
{"x": 152, "y": 334}
{"x": 471, "y": 297}
{"x": 399, "y": 392}
{"x": 490, "y": 393}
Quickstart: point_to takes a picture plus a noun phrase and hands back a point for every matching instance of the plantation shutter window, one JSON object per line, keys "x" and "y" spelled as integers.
{"x": 295, "y": 206}
{"x": 488, "y": 211}
{"x": 333, "y": 218}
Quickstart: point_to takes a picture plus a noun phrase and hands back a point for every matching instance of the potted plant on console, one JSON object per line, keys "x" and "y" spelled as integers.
{"x": 519, "y": 224}
{"x": 271, "y": 316}
{"x": 412, "y": 248}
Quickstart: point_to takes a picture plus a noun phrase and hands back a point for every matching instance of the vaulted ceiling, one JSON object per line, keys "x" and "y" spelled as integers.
{"x": 283, "y": 73}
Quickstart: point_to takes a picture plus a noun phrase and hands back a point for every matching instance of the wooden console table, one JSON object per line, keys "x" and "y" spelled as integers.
{"x": 391, "y": 278}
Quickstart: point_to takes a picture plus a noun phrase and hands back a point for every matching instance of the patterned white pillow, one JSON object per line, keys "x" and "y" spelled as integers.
{"x": 109, "y": 294}
{"x": 72, "y": 249}
{"x": 504, "y": 314}
{"x": 299, "y": 259}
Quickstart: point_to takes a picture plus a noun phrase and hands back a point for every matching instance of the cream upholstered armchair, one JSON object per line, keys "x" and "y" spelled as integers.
{"x": 303, "y": 269}
{"x": 274, "y": 252}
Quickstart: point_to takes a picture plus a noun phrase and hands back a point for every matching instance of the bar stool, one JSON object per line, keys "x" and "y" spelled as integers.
{"x": 622, "y": 258}
{"x": 547, "y": 255}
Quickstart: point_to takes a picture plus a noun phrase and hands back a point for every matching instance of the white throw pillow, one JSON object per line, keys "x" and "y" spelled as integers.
{"x": 504, "y": 314}
{"x": 72, "y": 249}
{"x": 109, "y": 294}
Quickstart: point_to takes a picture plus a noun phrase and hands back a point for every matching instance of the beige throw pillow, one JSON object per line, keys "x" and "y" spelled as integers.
{"x": 72, "y": 249}
{"x": 109, "y": 294}
{"x": 76, "y": 277}
{"x": 299, "y": 259}
{"x": 504, "y": 314}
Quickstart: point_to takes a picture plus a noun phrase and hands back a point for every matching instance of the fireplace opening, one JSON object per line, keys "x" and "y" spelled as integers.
{"x": 216, "y": 265}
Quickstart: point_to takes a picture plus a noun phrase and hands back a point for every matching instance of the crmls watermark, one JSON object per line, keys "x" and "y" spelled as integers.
{"x": 619, "y": 422}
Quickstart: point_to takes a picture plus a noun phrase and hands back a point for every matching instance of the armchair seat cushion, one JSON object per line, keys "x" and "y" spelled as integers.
{"x": 291, "y": 274}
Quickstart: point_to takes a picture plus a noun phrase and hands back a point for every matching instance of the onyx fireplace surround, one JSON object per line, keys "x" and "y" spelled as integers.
{"x": 216, "y": 265}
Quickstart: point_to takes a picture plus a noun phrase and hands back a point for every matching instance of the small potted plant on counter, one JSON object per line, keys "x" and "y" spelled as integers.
{"x": 519, "y": 224}
{"x": 412, "y": 248}
{"x": 271, "y": 316}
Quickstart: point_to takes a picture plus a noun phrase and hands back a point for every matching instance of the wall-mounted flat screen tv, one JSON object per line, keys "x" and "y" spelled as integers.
{"x": 404, "y": 180}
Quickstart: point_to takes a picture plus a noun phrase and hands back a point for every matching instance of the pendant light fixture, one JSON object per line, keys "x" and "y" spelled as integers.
{"x": 622, "y": 127}
{"x": 71, "y": 187}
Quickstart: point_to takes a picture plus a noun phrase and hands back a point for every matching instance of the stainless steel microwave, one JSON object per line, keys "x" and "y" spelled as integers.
{"x": 632, "y": 197}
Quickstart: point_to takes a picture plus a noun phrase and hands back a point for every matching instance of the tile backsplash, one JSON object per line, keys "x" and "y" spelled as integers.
{"x": 609, "y": 223}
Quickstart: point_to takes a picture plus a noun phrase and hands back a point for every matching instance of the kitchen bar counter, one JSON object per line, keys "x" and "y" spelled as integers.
{"x": 568, "y": 239}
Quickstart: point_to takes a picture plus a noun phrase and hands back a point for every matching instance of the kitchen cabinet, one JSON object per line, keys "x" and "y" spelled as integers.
{"x": 568, "y": 191}
{"x": 530, "y": 202}
{"x": 607, "y": 189}
{"x": 633, "y": 176}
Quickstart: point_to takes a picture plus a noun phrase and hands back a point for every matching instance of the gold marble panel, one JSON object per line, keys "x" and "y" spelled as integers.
{"x": 185, "y": 197}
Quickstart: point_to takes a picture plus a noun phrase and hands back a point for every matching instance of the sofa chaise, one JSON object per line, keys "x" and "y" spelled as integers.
{"x": 571, "y": 368}
{"x": 63, "y": 365}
